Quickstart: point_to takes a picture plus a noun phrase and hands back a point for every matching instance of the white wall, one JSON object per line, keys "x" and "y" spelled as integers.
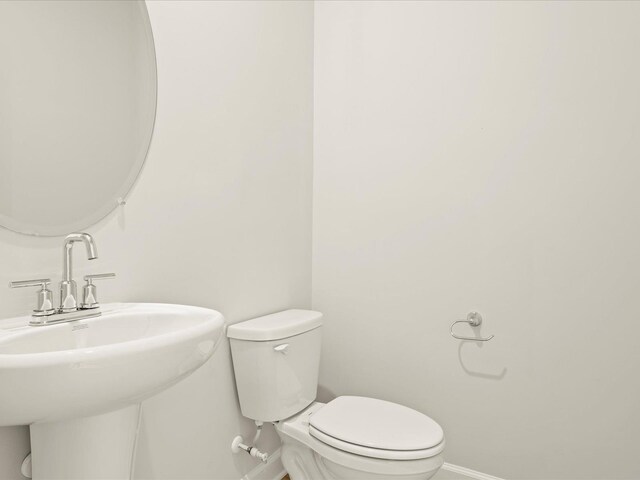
{"x": 484, "y": 156}
{"x": 220, "y": 218}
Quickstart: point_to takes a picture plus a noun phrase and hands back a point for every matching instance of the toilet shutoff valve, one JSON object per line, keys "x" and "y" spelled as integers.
{"x": 238, "y": 446}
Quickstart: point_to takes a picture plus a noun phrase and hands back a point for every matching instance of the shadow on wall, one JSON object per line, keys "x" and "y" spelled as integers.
{"x": 476, "y": 373}
{"x": 324, "y": 394}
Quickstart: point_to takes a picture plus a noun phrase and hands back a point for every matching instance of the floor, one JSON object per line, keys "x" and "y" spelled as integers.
{"x": 441, "y": 475}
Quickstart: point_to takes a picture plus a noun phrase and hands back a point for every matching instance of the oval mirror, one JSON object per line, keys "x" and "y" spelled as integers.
{"x": 77, "y": 108}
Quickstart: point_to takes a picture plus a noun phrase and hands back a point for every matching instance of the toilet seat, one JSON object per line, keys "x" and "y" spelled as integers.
{"x": 295, "y": 433}
{"x": 377, "y": 429}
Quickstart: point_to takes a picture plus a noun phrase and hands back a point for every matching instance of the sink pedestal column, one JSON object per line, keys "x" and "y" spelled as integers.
{"x": 97, "y": 447}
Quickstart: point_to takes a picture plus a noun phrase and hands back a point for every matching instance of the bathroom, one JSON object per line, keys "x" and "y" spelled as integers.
{"x": 396, "y": 166}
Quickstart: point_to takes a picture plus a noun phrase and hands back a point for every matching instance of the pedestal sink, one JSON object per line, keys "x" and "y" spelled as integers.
{"x": 79, "y": 385}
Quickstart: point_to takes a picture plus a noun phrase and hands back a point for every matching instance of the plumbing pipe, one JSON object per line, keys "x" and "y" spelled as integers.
{"x": 258, "y": 432}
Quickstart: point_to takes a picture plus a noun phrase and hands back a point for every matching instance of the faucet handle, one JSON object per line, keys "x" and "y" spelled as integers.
{"x": 44, "y": 305}
{"x": 89, "y": 292}
{"x": 98, "y": 276}
{"x": 30, "y": 283}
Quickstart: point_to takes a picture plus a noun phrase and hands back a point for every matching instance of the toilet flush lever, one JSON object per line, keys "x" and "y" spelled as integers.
{"x": 283, "y": 349}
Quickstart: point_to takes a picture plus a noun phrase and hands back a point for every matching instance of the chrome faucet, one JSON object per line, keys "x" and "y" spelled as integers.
{"x": 68, "y": 288}
{"x": 44, "y": 313}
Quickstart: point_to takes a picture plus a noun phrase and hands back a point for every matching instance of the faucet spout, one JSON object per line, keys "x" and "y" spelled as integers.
{"x": 89, "y": 243}
{"x": 68, "y": 290}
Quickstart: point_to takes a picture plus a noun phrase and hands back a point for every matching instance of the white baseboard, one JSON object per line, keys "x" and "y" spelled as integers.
{"x": 272, "y": 470}
{"x": 454, "y": 472}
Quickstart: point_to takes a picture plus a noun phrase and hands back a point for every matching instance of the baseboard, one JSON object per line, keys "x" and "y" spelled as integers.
{"x": 272, "y": 470}
{"x": 454, "y": 472}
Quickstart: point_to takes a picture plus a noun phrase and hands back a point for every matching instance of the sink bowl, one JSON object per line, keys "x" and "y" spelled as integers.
{"x": 79, "y": 385}
{"x": 88, "y": 367}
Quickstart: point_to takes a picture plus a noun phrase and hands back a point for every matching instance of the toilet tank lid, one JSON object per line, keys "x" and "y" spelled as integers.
{"x": 276, "y": 326}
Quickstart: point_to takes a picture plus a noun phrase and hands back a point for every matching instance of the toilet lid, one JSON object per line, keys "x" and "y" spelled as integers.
{"x": 376, "y": 425}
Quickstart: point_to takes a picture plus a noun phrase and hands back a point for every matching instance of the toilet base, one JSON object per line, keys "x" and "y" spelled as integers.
{"x": 302, "y": 463}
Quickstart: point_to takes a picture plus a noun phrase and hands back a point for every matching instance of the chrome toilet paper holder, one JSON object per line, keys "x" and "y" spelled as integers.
{"x": 475, "y": 320}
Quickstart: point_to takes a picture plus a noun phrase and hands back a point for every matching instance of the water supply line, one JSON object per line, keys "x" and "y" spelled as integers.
{"x": 258, "y": 432}
{"x": 238, "y": 445}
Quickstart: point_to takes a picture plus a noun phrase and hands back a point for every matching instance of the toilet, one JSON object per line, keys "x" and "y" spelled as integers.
{"x": 276, "y": 359}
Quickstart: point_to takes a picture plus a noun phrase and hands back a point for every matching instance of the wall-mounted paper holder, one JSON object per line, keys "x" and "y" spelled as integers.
{"x": 475, "y": 320}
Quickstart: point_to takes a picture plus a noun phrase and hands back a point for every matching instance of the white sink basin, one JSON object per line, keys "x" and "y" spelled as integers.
{"x": 79, "y": 385}
{"x": 92, "y": 366}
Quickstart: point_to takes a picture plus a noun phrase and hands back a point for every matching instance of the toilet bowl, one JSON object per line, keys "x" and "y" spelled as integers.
{"x": 276, "y": 362}
{"x": 305, "y": 456}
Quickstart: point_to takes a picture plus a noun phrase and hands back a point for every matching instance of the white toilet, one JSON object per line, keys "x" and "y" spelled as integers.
{"x": 276, "y": 360}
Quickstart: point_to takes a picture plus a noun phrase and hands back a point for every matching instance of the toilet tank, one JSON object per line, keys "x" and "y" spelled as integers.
{"x": 276, "y": 359}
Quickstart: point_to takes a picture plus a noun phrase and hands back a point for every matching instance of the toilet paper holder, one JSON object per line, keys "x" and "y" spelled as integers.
{"x": 475, "y": 320}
